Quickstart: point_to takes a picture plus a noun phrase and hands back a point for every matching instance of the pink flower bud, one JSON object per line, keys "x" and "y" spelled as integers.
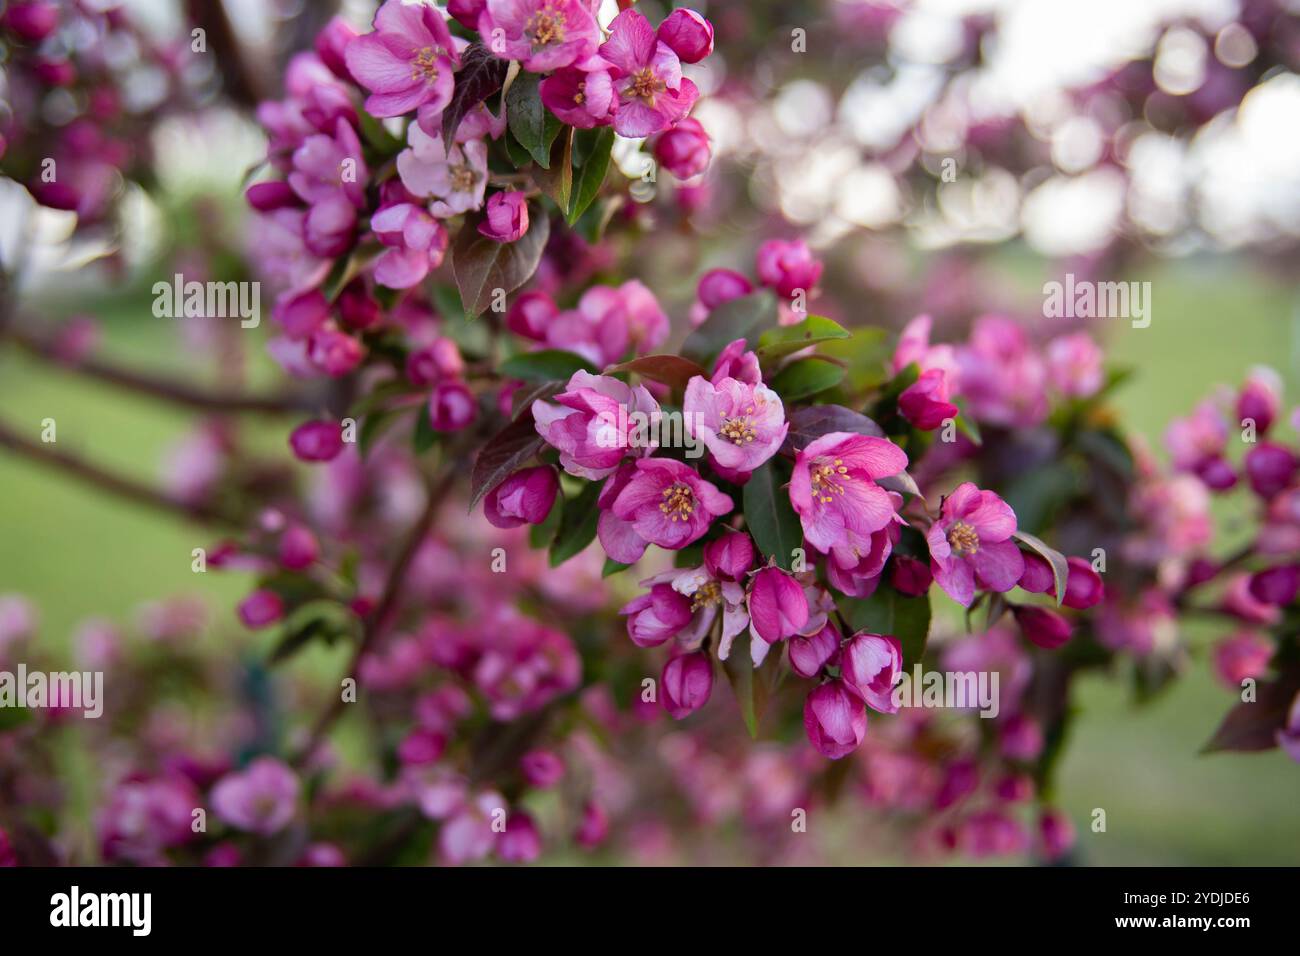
{"x": 298, "y": 548}
{"x": 869, "y": 666}
{"x": 317, "y": 441}
{"x": 594, "y": 827}
{"x": 358, "y": 309}
{"x": 451, "y": 407}
{"x": 1056, "y": 833}
{"x": 303, "y": 313}
{"x": 925, "y": 403}
{"x": 1241, "y": 656}
{"x": 808, "y": 655}
{"x": 684, "y": 149}
{"x": 1216, "y": 472}
{"x": 1270, "y": 468}
{"x": 32, "y": 21}
{"x": 688, "y": 34}
{"x": 506, "y": 217}
{"x": 834, "y": 720}
{"x": 1045, "y": 628}
{"x": 421, "y": 746}
{"x": 1038, "y": 577}
{"x": 335, "y": 353}
{"x": 730, "y": 556}
{"x": 1022, "y": 738}
{"x": 1015, "y": 787}
{"x": 520, "y": 843}
{"x": 530, "y": 314}
{"x": 911, "y": 577}
{"x": 788, "y": 266}
{"x": 722, "y": 285}
{"x": 261, "y": 609}
{"x": 525, "y": 497}
{"x": 1260, "y": 399}
{"x": 778, "y": 607}
{"x": 687, "y": 682}
{"x": 1083, "y": 587}
{"x": 656, "y": 616}
{"x": 541, "y": 768}
{"x": 330, "y": 44}
{"x": 1276, "y": 586}
{"x": 467, "y": 11}
{"x": 441, "y": 359}
{"x": 274, "y": 194}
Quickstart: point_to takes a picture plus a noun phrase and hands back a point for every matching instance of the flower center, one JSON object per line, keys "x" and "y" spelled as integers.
{"x": 678, "y": 502}
{"x": 739, "y": 430}
{"x": 425, "y": 65}
{"x": 826, "y": 479}
{"x": 546, "y": 26}
{"x": 646, "y": 85}
{"x": 462, "y": 179}
{"x": 963, "y": 539}
{"x": 710, "y": 592}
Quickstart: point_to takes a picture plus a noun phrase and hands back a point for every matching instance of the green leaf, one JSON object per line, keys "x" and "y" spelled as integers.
{"x": 377, "y": 136}
{"x": 374, "y": 426}
{"x": 769, "y": 516}
{"x": 744, "y": 318}
{"x": 785, "y": 339}
{"x": 424, "y": 437}
{"x": 671, "y": 370}
{"x": 545, "y": 365}
{"x": 482, "y": 265}
{"x": 865, "y": 354}
{"x": 806, "y": 378}
{"x": 613, "y": 567}
{"x": 754, "y": 687}
{"x": 578, "y": 526}
{"x": 531, "y": 123}
{"x": 1060, "y": 567}
{"x": 556, "y": 179}
{"x": 323, "y": 619}
{"x": 889, "y": 612}
{"x": 592, "y": 150}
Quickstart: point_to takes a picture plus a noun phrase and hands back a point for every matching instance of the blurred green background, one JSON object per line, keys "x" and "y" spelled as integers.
{"x": 78, "y": 554}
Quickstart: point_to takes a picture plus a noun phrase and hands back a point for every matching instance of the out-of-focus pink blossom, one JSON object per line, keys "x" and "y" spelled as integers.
{"x": 451, "y": 406}
{"x": 317, "y": 441}
{"x": 1075, "y": 365}
{"x": 260, "y": 799}
{"x": 788, "y": 266}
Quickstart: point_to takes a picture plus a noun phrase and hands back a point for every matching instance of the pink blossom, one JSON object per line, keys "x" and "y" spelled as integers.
{"x": 452, "y": 406}
{"x": 971, "y": 543}
{"x": 1043, "y": 627}
{"x": 834, "y": 719}
{"x": 530, "y": 314}
{"x": 1074, "y": 363}
{"x": 440, "y": 359}
{"x": 722, "y": 285}
{"x": 583, "y": 100}
{"x": 730, "y": 556}
{"x": 261, "y": 609}
{"x": 652, "y": 94}
{"x": 544, "y": 35}
{"x": 416, "y": 244}
{"x": 1021, "y": 738}
{"x": 1001, "y": 376}
{"x": 466, "y": 835}
{"x": 1083, "y": 587}
{"x": 778, "y": 607}
{"x": 610, "y": 321}
{"x": 925, "y": 402}
{"x": 687, "y": 683}
{"x": 742, "y": 425}
{"x": 520, "y": 843}
{"x": 788, "y": 266}
{"x": 525, "y": 497}
{"x": 333, "y": 352}
{"x": 407, "y": 62}
{"x": 808, "y": 655}
{"x": 688, "y": 33}
{"x": 738, "y": 362}
{"x": 32, "y": 20}
{"x": 260, "y": 799}
{"x": 455, "y": 179}
{"x": 684, "y": 149}
{"x": 317, "y": 441}
{"x": 298, "y": 549}
{"x": 1055, "y": 833}
{"x": 595, "y": 423}
{"x": 1198, "y": 437}
{"x": 669, "y": 504}
{"x": 506, "y": 219}
{"x": 301, "y": 314}
{"x": 1260, "y": 399}
{"x": 522, "y": 665}
{"x": 911, "y": 577}
{"x": 1243, "y": 655}
{"x": 656, "y": 616}
{"x": 542, "y": 768}
{"x": 331, "y": 46}
{"x": 834, "y": 492}
{"x": 327, "y": 167}
{"x": 1270, "y": 468}
{"x": 144, "y": 817}
{"x": 862, "y": 579}
{"x": 870, "y": 665}
{"x": 708, "y": 596}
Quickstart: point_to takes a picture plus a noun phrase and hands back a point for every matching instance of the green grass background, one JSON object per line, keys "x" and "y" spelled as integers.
{"x": 79, "y": 554}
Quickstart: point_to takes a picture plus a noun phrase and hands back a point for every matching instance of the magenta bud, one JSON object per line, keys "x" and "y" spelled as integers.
{"x": 1045, "y": 628}
{"x": 684, "y": 150}
{"x": 467, "y": 11}
{"x": 1038, "y": 577}
{"x": 687, "y": 682}
{"x": 530, "y": 314}
{"x": 778, "y": 607}
{"x": 1083, "y": 588}
{"x": 451, "y": 406}
{"x": 1056, "y": 833}
{"x": 330, "y": 44}
{"x": 1021, "y": 738}
{"x": 33, "y": 21}
{"x": 788, "y": 266}
{"x": 1259, "y": 400}
{"x": 440, "y": 359}
{"x": 688, "y": 34}
{"x": 1270, "y": 468}
{"x": 541, "y": 768}
{"x": 270, "y": 195}
{"x": 870, "y": 665}
{"x": 1216, "y": 472}
{"x": 506, "y": 217}
{"x": 722, "y": 285}
{"x": 260, "y": 609}
{"x": 1277, "y": 586}
{"x": 421, "y": 746}
{"x": 911, "y": 577}
{"x": 730, "y": 556}
{"x": 317, "y": 441}
{"x": 333, "y": 352}
{"x": 657, "y": 615}
{"x": 525, "y": 497}
{"x": 520, "y": 843}
{"x": 808, "y": 655}
{"x": 834, "y": 719}
{"x": 303, "y": 313}
{"x": 358, "y": 309}
{"x": 298, "y": 548}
